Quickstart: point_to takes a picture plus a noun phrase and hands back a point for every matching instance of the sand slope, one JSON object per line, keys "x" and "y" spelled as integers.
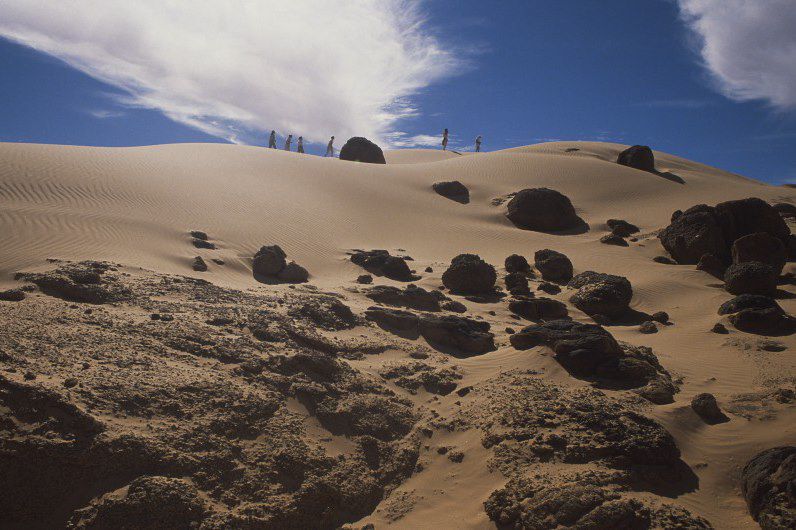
{"x": 136, "y": 205}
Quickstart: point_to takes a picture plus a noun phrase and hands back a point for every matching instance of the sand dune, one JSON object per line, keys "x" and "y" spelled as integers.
{"x": 135, "y": 206}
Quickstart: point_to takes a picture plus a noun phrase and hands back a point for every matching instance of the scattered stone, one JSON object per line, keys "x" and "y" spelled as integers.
{"x": 217, "y": 261}
{"x": 771, "y": 345}
{"x": 429, "y": 269}
{"x": 198, "y": 234}
{"x": 760, "y": 247}
{"x": 462, "y": 334}
{"x": 453, "y": 190}
{"x": 539, "y": 309}
{"x": 517, "y": 263}
{"x": 359, "y": 149}
{"x": 12, "y": 295}
{"x": 413, "y": 375}
{"x": 707, "y": 408}
{"x": 719, "y": 328}
{"x": 457, "y": 457}
{"x": 293, "y": 273}
{"x": 637, "y": 157}
{"x": 394, "y": 320}
{"x": 199, "y": 264}
{"x": 621, "y": 227}
{"x": 554, "y": 266}
{"x": 542, "y": 209}
{"x": 469, "y": 274}
{"x": 381, "y": 263}
{"x": 767, "y": 483}
{"x": 202, "y": 243}
{"x": 603, "y": 294}
{"x": 613, "y": 239}
{"x": 661, "y": 316}
{"x": 648, "y": 327}
{"x": 70, "y": 382}
{"x": 454, "y": 306}
{"x": 549, "y": 288}
{"x": 665, "y": 260}
{"x": 269, "y": 260}
{"x": 365, "y": 279}
{"x": 750, "y": 277}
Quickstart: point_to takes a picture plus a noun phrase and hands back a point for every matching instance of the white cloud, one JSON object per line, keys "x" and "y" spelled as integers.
{"x": 238, "y": 68}
{"x": 748, "y": 46}
{"x": 401, "y": 139}
{"x": 104, "y": 114}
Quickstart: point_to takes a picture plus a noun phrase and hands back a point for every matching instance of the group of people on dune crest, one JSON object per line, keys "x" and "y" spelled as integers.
{"x": 330, "y": 145}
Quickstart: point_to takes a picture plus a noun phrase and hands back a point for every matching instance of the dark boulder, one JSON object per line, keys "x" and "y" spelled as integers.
{"x": 201, "y": 243}
{"x": 661, "y": 316}
{"x": 394, "y": 320}
{"x": 293, "y": 273}
{"x": 453, "y": 190}
{"x": 749, "y": 216}
{"x": 381, "y": 263}
{"x": 549, "y": 288}
{"x": 751, "y": 277}
{"x": 539, "y": 309}
{"x": 712, "y": 265}
{"x": 768, "y": 483}
{"x": 648, "y": 327}
{"x": 12, "y": 295}
{"x": 761, "y": 247}
{"x": 637, "y": 157}
{"x": 542, "y": 209}
{"x": 613, "y": 239}
{"x": 469, "y": 274}
{"x": 707, "y": 408}
{"x": 517, "y": 284}
{"x": 770, "y": 321}
{"x": 554, "y": 266}
{"x": 748, "y": 301}
{"x": 198, "y": 234}
{"x": 269, "y": 260}
{"x": 719, "y": 328}
{"x": 664, "y": 260}
{"x": 601, "y": 294}
{"x": 454, "y": 306}
{"x": 621, "y": 227}
{"x": 459, "y": 333}
{"x": 517, "y": 263}
{"x": 199, "y": 264}
{"x": 694, "y": 233}
{"x": 412, "y": 297}
{"x": 365, "y": 279}
{"x": 358, "y": 149}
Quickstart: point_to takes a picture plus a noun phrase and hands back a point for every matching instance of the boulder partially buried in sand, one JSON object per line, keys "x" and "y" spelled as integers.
{"x": 359, "y": 149}
{"x": 601, "y": 294}
{"x": 769, "y": 487}
{"x": 271, "y": 262}
{"x": 750, "y": 277}
{"x": 637, "y": 157}
{"x": 453, "y": 190}
{"x": 554, "y": 266}
{"x": 543, "y": 210}
{"x": 381, "y": 263}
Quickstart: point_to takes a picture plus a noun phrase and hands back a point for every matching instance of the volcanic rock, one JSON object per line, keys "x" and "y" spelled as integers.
{"x": 542, "y": 209}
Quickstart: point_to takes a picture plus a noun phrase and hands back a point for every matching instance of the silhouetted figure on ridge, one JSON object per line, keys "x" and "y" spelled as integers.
{"x": 272, "y": 140}
{"x": 300, "y": 144}
{"x": 287, "y": 142}
{"x": 330, "y": 148}
{"x": 478, "y": 144}
{"x": 445, "y": 139}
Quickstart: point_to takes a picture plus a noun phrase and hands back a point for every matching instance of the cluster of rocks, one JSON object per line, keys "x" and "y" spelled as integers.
{"x": 381, "y": 263}
{"x": 758, "y": 314}
{"x": 620, "y": 229}
{"x": 414, "y": 297}
{"x": 84, "y": 282}
{"x": 359, "y": 149}
{"x": 543, "y": 210}
{"x": 453, "y": 190}
{"x": 453, "y": 334}
{"x": 270, "y": 262}
{"x": 588, "y": 351}
{"x": 412, "y": 375}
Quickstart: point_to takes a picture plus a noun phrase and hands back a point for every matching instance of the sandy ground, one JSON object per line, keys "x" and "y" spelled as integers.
{"x": 135, "y": 206}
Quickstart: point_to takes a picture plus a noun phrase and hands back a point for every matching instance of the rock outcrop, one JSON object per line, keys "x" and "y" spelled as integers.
{"x": 768, "y": 483}
{"x": 453, "y": 190}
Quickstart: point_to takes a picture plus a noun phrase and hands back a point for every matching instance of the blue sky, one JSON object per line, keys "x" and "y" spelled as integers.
{"x": 515, "y": 72}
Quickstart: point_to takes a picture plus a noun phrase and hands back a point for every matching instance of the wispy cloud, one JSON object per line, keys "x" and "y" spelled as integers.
{"x": 236, "y": 68}
{"x": 104, "y": 114}
{"x": 401, "y": 139}
{"x": 748, "y": 46}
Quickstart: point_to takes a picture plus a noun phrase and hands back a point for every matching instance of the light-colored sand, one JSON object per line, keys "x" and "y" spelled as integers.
{"x": 136, "y": 205}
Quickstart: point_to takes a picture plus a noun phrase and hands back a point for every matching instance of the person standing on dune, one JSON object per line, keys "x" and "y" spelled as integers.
{"x": 330, "y": 148}
{"x": 287, "y": 142}
{"x": 444, "y": 139}
{"x": 300, "y": 144}
{"x": 272, "y": 140}
{"x": 478, "y": 144}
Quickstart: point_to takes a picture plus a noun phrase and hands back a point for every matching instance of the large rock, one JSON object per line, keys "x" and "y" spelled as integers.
{"x": 412, "y": 296}
{"x": 381, "y": 263}
{"x": 762, "y": 247}
{"x": 269, "y": 260}
{"x": 637, "y": 157}
{"x": 771, "y": 321}
{"x": 539, "y": 309}
{"x": 706, "y": 229}
{"x": 358, "y": 149}
{"x": 394, "y": 320}
{"x": 748, "y": 301}
{"x": 706, "y": 406}
{"x": 601, "y": 294}
{"x": 542, "y": 209}
{"x": 462, "y": 334}
{"x": 517, "y": 284}
{"x": 554, "y": 266}
{"x": 453, "y": 190}
{"x": 751, "y": 277}
{"x": 768, "y": 483}
{"x": 517, "y": 263}
{"x": 469, "y": 274}
{"x": 293, "y": 273}
{"x": 621, "y": 227}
